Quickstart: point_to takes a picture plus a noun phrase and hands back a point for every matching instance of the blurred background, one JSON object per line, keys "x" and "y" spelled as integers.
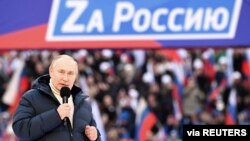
{"x": 141, "y": 93}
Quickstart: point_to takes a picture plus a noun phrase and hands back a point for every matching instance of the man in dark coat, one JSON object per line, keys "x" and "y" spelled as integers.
{"x": 40, "y": 113}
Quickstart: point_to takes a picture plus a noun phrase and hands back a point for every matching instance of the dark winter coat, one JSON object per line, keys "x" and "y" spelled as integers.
{"x": 37, "y": 119}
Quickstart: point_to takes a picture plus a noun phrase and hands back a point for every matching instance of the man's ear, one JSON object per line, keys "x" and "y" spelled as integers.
{"x": 50, "y": 70}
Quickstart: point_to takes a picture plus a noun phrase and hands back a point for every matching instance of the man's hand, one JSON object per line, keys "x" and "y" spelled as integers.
{"x": 64, "y": 110}
{"x": 91, "y": 132}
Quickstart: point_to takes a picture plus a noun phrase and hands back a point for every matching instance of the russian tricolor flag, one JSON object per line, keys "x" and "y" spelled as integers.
{"x": 145, "y": 120}
{"x": 231, "y": 111}
{"x": 177, "y": 103}
{"x": 18, "y": 85}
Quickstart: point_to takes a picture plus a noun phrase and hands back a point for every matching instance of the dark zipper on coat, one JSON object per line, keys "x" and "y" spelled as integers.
{"x": 68, "y": 126}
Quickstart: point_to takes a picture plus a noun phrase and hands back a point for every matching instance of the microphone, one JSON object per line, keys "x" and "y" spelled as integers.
{"x": 65, "y": 93}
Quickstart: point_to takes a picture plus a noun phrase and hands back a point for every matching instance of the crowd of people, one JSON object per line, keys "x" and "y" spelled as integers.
{"x": 175, "y": 86}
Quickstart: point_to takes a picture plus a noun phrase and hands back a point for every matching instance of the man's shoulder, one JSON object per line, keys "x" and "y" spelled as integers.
{"x": 31, "y": 93}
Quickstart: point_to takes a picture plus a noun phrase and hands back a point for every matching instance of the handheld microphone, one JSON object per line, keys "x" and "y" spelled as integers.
{"x": 65, "y": 93}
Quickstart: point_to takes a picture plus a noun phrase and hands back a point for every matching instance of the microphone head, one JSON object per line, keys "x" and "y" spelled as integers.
{"x": 65, "y": 92}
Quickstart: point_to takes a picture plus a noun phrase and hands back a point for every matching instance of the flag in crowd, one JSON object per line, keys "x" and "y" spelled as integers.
{"x": 231, "y": 111}
{"x": 18, "y": 85}
{"x": 147, "y": 121}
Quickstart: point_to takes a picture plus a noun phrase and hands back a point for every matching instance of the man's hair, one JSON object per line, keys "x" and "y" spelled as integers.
{"x": 62, "y": 56}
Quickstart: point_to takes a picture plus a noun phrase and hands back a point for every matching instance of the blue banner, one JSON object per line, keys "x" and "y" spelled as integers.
{"x": 143, "y": 20}
{"x": 124, "y": 23}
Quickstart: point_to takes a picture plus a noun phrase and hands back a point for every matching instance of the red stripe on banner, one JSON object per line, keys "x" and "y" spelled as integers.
{"x": 34, "y": 38}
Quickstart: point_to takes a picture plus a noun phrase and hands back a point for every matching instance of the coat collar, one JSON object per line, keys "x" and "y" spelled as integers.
{"x": 42, "y": 84}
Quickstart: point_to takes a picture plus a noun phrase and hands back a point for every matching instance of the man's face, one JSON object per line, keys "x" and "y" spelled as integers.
{"x": 63, "y": 73}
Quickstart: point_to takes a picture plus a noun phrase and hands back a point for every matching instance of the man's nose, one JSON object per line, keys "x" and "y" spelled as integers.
{"x": 65, "y": 77}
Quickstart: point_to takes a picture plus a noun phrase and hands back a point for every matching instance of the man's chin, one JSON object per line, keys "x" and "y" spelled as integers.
{"x": 65, "y": 86}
